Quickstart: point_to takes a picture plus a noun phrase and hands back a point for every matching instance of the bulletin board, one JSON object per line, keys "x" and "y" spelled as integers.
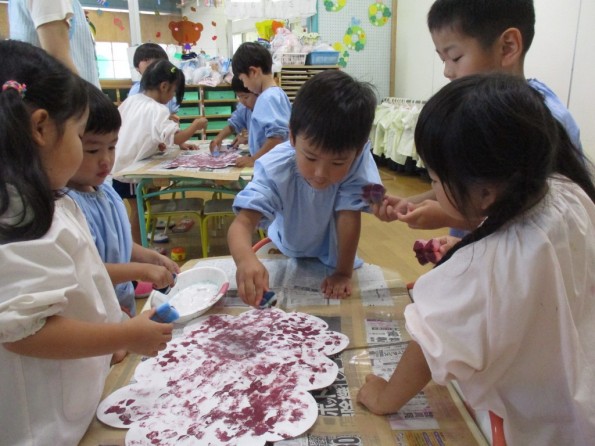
{"x": 363, "y": 31}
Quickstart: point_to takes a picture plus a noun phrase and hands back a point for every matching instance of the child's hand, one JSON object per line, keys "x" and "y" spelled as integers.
{"x": 159, "y": 276}
{"x": 390, "y": 207}
{"x": 253, "y": 280}
{"x": 145, "y": 336}
{"x": 215, "y": 144}
{"x": 240, "y": 139}
{"x": 165, "y": 261}
{"x": 162, "y": 147}
{"x": 371, "y": 395}
{"x": 200, "y": 123}
{"x": 336, "y": 286}
{"x": 188, "y": 146}
{"x": 426, "y": 215}
{"x": 174, "y": 117}
{"x": 244, "y": 161}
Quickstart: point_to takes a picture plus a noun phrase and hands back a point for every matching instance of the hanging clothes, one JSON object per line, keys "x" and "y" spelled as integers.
{"x": 280, "y": 9}
{"x": 393, "y": 130}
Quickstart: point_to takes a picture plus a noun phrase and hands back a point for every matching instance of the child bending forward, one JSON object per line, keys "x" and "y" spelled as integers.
{"x": 308, "y": 191}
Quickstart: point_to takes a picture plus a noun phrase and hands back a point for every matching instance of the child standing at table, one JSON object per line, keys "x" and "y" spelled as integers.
{"x": 308, "y": 190}
{"x": 105, "y": 211}
{"x": 473, "y": 37}
{"x": 252, "y": 64}
{"x": 509, "y": 311}
{"x": 240, "y": 118}
{"x": 59, "y": 315}
{"x": 147, "y": 129}
{"x": 144, "y": 55}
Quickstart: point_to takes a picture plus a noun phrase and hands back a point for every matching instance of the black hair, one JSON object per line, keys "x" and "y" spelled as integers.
{"x": 251, "y": 54}
{"x": 495, "y": 129}
{"x": 238, "y": 86}
{"x": 104, "y": 116}
{"x": 148, "y": 51}
{"x": 484, "y": 20}
{"x": 164, "y": 71}
{"x": 23, "y": 182}
{"x": 333, "y": 111}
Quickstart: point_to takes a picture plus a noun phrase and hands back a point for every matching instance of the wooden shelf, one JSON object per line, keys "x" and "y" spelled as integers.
{"x": 292, "y": 77}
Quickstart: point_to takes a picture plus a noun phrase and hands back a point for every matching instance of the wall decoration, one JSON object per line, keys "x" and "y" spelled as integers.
{"x": 343, "y": 54}
{"x": 186, "y": 31}
{"x": 158, "y": 34}
{"x": 355, "y": 36}
{"x": 118, "y": 23}
{"x": 334, "y": 6}
{"x": 379, "y": 14}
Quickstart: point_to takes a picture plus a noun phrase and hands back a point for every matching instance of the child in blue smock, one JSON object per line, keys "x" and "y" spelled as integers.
{"x": 308, "y": 190}
{"x": 60, "y": 321}
{"x": 477, "y": 37}
{"x": 105, "y": 211}
{"x": 239, "y": 120}
{"x": 252, "y": 64}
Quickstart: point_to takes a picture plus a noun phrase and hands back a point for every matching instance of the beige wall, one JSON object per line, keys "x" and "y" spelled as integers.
{"x": 108, "y": 31}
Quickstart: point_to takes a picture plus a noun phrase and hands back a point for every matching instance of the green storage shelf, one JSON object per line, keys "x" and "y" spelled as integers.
{"x": 188, "y": 111}
{"x": 216, "y": 125}
{"x": 191, "y": 95}
{"x": 219, "y": 94}
{"x": 217, "y": 110}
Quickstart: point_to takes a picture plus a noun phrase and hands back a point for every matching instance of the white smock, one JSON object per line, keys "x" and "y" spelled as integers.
{"x": 145, "y": 125}
{"x": 512, "y": 319}
{"x": 51, "y": 402}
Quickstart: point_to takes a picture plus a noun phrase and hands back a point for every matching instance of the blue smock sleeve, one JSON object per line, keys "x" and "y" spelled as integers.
{"x": 364, "y": 171}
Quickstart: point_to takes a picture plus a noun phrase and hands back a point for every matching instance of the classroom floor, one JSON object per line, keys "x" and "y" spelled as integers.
{"x": 385, "y": 244}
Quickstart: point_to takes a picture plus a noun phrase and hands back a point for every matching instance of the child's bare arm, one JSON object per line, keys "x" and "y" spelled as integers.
{"x": 410, "y": 377}
{"x": 64, "y": 338}
{"x": 251, "y": 276}
{"x": 158, "y": 275}
{"x": 338, "y": 284}
{"x": 182, "y": 136}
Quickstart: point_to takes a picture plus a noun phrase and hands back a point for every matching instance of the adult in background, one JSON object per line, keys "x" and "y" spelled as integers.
{"x": 60, "y": 28}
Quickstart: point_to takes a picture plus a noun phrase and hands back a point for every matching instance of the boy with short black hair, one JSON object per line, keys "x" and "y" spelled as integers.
{"x": 252, "y": 64}
{"x": 471, "y": 37}
{"x": 145, "y": 55}
{"x": 240, "y": 118}
{"x": 308, "y": 190}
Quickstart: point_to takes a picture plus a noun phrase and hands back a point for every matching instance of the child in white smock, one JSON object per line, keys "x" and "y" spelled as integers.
{"x": 59, "y": 315}
{"x": 509, "y": 311}
{"x": 147, "y": 129}
{"x": 105, "y": 211}
{"x": 308, "y": 190}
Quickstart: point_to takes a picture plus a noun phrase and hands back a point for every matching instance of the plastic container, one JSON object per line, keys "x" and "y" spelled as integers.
{"x": 178, "y": 254}
{"x": 322, "y": 58}
{"x": 293, "y": 59}
{"x": 220, "y": 94}
{"x": 217, "y": 110}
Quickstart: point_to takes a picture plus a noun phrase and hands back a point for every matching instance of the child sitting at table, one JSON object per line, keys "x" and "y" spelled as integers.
{"x": 252, "y": 64}
{"x": 147, "y": 129}
{"x": 60, "y": 321}
{"x": 508, "y": 312}
{"x": 105, "y": 211}
{"x": 240, "y": 118}
{"x": 308, "y": 190}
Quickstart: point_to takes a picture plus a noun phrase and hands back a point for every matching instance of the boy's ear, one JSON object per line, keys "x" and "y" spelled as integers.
{"x": 511, "y": 47}
{"x": 40, "y": 126}
{"x": 291, "y": 138}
